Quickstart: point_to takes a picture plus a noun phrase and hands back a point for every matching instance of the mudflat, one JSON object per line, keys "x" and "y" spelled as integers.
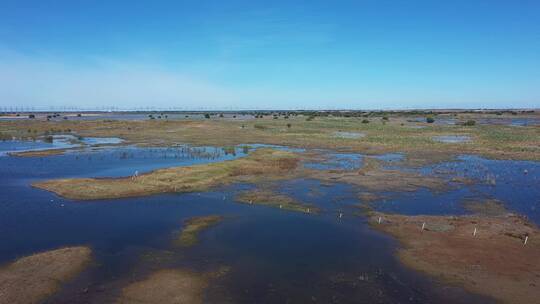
{"x": 493, "y": 261}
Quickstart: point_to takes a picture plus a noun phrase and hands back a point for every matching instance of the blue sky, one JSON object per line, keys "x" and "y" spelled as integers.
{"x": 272, "y": 54}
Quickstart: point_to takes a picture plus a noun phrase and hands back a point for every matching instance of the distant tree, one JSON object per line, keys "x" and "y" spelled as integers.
{"x": 207, "y": 116}
{"x": 430, "y": 119}
{"x": 31, "y": 116}
{"x": 365, "y": 121}
{"x": 221, "y": 115}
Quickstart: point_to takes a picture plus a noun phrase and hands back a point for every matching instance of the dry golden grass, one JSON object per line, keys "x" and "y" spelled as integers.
{"x": 34, "y": 278}
{"x": 263, "y": 162}
{"x": 494, "y": 263}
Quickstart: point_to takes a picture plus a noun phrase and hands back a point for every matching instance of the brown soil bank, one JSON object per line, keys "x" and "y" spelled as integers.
{"x": 495, "y": 262}
{"x": 33, "y": 278}
{"x": 263, "y": 162}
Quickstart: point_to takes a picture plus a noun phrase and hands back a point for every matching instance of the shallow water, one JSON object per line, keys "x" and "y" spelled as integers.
{"x": 452, "y": 139}
{"x": 66, "y": 141}
{"x": 275, "y": 256}
{"x": 514, "y": 183}
{"x": 335, "y": 161}
{"x": 11, "y": 146}
{"x": 349, "y": 135}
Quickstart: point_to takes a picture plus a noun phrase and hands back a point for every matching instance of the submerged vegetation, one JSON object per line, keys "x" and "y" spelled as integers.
{"x": 166, "y": 286}
{"x": 193, "y": 226}
{"x": 33, "y": 278}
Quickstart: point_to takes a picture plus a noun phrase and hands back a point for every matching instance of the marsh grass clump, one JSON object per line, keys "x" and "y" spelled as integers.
{"x": 469, "y": 123}
{"x": 229, "y": 150}
{"x": 430, "y": 119}
{"x": 365, "y": 121}
{"x": 267, "y": 197}
{"x": 192, "y": 228}
{"x": 265, "y": 164}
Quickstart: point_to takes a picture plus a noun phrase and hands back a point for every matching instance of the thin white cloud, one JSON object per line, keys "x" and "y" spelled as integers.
{"x": 28, "y": 81}
{"x": 45, "y": 81}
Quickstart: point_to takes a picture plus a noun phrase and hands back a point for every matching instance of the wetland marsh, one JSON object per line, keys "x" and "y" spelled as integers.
{"x": 303, "y": 209}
